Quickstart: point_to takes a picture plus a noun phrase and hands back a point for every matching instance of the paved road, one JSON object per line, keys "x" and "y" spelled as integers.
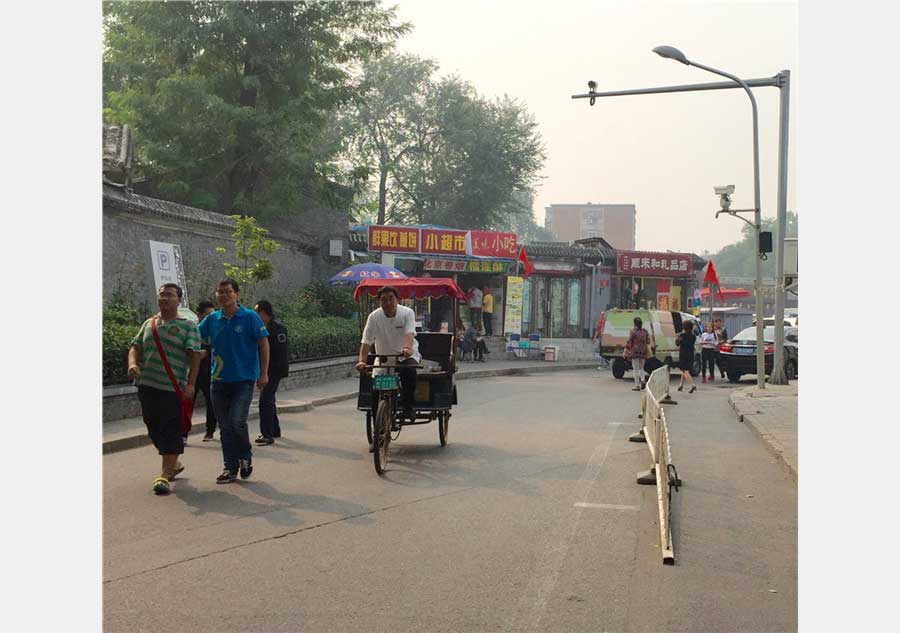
{"x": 482, "y": 535}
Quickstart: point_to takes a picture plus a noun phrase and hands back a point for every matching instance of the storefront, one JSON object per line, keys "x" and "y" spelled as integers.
{"x": 473, "y": 259}
{"x": 654, "y": 280}
{"x": 558, "y": 297}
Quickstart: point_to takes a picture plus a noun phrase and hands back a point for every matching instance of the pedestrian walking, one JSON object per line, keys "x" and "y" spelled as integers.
{"x": 204, "y": 308}
{"x": 487, "y": 311}
{"x": 240, "y": 357}
{"x": 163, "y": 362}
{"x": 722, "y": 336}
{"x": 709, "y": 344}
{"x": 475, "y": 300}
{"x": 598, "y": 331}
{"x": 685, "y": 342}
{"x": 269, "y": 427}
{"x": 638, "y": 348}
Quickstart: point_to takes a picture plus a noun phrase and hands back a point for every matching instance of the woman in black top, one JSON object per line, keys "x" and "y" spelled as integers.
{"x": 685, "y": 342}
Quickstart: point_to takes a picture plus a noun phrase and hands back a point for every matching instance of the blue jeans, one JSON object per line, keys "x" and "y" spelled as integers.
{"x": 231, "y": 401}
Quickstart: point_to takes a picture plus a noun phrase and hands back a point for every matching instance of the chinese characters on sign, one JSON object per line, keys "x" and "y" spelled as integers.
{"x": 398, "y": 239}
{"x": 443, "y": 242}
{"x": 461, "y": 266}
{"x": 644, "y": 264}
{"x": 492, "y": 244}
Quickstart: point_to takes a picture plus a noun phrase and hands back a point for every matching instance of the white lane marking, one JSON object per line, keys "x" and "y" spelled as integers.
{"x": 604, "y": 506}
{"x": 533, "y": 601}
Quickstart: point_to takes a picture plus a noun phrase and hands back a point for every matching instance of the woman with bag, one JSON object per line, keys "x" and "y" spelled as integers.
{"x": 638, "y": 349}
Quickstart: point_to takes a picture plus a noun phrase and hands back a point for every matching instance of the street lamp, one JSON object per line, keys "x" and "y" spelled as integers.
{"x": 670, "y": 52}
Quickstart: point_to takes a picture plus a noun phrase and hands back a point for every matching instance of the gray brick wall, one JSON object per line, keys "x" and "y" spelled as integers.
{"x": 129, "y": 222}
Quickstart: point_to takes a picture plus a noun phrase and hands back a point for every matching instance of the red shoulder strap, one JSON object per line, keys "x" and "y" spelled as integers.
{"x": 162, "y": 356}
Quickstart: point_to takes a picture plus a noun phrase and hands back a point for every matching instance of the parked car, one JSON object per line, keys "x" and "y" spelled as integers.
{"x": 663, "y": 327}
{"x": 770, "y": 321}
{"x": 738, "y": 355}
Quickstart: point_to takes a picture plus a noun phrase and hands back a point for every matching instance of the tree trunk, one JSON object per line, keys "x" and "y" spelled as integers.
{"x": 382, "y": 195}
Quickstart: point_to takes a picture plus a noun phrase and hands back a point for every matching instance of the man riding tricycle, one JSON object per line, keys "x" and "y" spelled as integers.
{"x": 406, "y": 374}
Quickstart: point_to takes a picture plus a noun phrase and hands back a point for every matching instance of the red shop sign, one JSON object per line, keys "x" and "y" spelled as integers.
{"x": 493, "y": 244}
{"x": 399, "y": 239}
{"x": 443, "y": 242}
{"x": 649, "y": 264}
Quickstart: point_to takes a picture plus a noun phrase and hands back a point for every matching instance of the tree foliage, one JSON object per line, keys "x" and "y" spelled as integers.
{"x": 229, "y": 101}
{"x": 250, "y": 249}
{"x": 440, "y": 153}
{"x": 738, "y": 259}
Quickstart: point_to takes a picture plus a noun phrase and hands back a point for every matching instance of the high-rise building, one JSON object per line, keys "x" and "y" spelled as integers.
{"x": 613, "y": 222}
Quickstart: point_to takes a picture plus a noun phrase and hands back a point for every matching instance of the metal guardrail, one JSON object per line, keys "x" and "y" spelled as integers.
{"x": 662, "y": 471}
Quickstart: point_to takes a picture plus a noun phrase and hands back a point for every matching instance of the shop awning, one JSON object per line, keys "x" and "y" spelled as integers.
{"x": 418, "y": 287}
{"x": 727, "y": 293}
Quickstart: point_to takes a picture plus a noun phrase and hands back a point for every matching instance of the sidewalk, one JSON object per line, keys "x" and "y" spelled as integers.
{"x": 772, "y": 414}
{"x": 121, "y": 435}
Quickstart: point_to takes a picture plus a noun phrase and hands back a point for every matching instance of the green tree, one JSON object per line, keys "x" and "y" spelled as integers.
{"x": 250, "y": 249}
{"x": 229, "y": 100}
{"x": 387, "y": 126}
{"x": 485, "y": 153}
{"x": 440, "y": 153}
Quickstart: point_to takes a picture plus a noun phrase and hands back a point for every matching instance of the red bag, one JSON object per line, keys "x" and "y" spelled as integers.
{"x": 187, "y": 406}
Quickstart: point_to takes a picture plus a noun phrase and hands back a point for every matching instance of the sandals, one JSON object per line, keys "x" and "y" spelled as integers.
{"x": 161, "y": 486}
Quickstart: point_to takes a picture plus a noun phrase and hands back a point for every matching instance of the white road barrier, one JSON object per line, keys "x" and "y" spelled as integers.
{"x": 662, "y": 471}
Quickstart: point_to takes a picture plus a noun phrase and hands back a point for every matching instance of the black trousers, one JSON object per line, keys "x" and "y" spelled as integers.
{"x": 480, "y": 349}
{"x": 488, "y": 323}
{"x": 707, "y": 360}
{"x": 268, "y": 411}
{"x": 203, "y": 386}
{"x": 407, "y": 381}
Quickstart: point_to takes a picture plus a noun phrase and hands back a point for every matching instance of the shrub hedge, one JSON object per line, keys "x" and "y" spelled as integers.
{"x": 314, "y": 337}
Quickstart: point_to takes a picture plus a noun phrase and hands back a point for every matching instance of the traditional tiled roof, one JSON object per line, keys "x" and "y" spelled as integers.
{"x": 564, "y": 250}
{"x": 119, "y": 197}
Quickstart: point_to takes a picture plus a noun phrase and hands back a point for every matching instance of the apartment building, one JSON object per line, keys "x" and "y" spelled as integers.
{"x": 615, "y": 223}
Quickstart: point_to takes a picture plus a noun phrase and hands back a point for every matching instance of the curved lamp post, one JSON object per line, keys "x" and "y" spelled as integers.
{"x": 670, "y": 52}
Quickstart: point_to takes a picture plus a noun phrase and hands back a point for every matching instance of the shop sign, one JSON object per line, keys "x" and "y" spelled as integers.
{"x": 492, "y": 244}
{"x": 443, "y": 242}
{"x": 645, "y": 264}
{"x": 398, "y": 239}
{"x": 461, "y": 266}
{"x": 450, "y": 265}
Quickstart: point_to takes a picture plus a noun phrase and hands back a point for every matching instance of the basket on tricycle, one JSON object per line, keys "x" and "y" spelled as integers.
{"x": 380, "y": 383}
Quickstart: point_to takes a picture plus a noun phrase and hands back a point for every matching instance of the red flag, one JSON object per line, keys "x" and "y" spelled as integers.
{"x": 711, "y": 277}
{"x": 529, "y": 267}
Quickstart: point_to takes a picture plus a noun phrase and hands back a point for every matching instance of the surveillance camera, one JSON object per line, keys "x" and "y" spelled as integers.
{"x": 724, "y": 190}
{"x": 592, "y": 86}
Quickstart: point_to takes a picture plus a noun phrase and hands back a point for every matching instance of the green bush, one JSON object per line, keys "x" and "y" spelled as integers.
{"x": 318, "y": 299}
{"x": 116, "y": 341}
{"x": 321, "y": 336}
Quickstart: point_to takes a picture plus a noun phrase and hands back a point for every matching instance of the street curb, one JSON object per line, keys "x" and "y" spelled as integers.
{"x": 297, "y": 406}
{"x": 746, "y": 413}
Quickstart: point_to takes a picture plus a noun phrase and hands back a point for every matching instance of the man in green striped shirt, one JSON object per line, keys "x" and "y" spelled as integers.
{"x": 160, "y": 405}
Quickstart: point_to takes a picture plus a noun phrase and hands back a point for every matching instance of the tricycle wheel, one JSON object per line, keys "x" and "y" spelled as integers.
{"x": 443, "y": 426}
{"x": 381, "y": 435}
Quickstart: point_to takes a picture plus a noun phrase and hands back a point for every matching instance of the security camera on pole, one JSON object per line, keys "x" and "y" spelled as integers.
{"x": 724, "y": 194}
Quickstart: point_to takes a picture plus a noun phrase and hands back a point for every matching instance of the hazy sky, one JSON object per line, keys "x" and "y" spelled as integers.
{"x": 663, "y": 153}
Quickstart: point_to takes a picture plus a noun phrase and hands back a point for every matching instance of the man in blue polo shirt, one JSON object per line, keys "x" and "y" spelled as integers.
{"x": 240, "y": 356}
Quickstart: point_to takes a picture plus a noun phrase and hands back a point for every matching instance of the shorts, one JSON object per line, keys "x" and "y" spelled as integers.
{"x": 162, "y": 415}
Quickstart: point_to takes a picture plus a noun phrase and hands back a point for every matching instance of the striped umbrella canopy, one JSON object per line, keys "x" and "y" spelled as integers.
{"x": 355, "y": 274}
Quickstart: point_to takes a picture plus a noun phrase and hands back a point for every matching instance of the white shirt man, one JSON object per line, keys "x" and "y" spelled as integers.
{"x": 392, "y": 330}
